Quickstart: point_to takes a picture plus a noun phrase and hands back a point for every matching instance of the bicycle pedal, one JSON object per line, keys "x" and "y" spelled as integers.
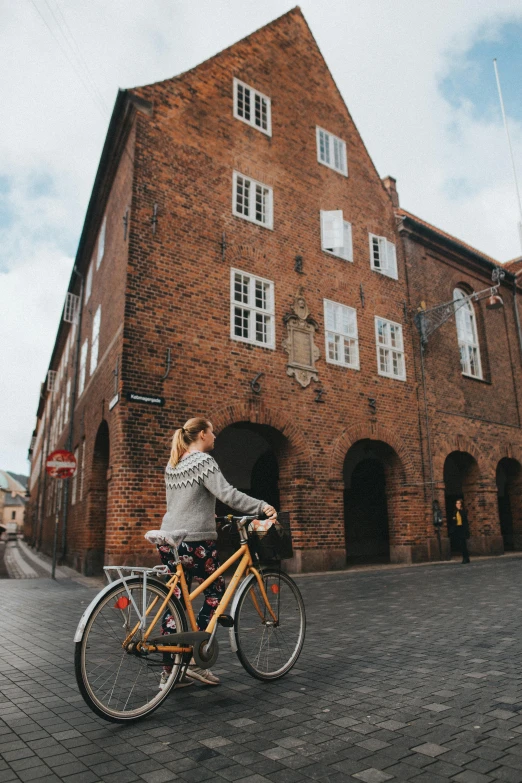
{"x": 226, "y": 620}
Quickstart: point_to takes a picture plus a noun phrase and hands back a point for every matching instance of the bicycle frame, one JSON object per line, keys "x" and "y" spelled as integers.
{"x": 244, "y": 566}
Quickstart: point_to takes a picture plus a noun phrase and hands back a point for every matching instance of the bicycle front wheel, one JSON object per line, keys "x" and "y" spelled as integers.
{"x": 117, "y": 682}
{"x": 268, "y": 647}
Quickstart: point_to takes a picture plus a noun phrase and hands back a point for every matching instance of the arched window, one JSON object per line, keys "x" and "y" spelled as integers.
{"x": 467, "y": 334}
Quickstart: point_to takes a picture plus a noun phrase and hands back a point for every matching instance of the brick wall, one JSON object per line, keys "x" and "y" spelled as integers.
{"x": 178, "y": 293}
{"x": 477, "y": 419}
{"x": 85, "y": 519}
{"x": 167, "y": 286}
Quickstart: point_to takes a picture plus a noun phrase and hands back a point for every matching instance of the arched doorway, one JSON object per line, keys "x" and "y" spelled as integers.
{"x": 460, "y": 471}
{"x": 249, "y": 456}
{"x": 97, "y": 503}
{"x": 509, "y": 487}
{"x": 369, "y": 469}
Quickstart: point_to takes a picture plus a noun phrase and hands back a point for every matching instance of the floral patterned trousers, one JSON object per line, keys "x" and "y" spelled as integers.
{"x": 199, "y": 560}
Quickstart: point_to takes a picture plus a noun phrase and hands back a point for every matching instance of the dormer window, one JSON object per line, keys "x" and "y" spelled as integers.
{"x": 252, "y": 107}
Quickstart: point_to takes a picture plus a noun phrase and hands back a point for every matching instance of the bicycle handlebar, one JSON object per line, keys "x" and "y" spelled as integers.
{"x": 240, "y": 521}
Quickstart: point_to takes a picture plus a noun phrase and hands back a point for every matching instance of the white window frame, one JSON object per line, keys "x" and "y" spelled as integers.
{"x": 88, "y": 284}
{"x": 393, "y": 352}
{"x": 59, "y": 418}
{"x": 331, "y": 151}
{"x": 338, "y": 337}
{"x": 95, "y": 340}
{"x": 67, "y": 400}
{"x": 254, "y": 97}
{"x": 467, "y": 336}
{"x": 346, "y": 251}
{"x": 83, "y": 366}
{"x": 66, "y": 354}
{"x": 251, "y": 310}
{"x": 100, "y": 251}
{"x": 251, "y": 185}
{"x": 387, "y": 256}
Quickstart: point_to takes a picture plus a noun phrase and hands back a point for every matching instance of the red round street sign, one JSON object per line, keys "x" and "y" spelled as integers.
{"x": 61, "y": 464}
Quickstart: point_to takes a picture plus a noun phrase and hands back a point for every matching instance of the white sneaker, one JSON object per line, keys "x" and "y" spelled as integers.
{"x": 182, "y": 683}
{"x": 202, "y": 675}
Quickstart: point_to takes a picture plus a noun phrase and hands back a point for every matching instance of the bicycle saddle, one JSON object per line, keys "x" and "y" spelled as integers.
{"x": 161, "y": 537}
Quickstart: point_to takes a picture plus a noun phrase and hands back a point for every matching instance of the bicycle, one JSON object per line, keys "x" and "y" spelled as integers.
{"x": 120, "y": 646}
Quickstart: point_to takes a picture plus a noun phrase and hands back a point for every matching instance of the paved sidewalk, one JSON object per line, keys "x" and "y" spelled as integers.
{"x": 411, "y": 674}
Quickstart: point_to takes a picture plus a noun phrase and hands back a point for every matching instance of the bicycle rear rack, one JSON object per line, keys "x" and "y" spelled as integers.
{"x": 159, "y": 570}
{"x": 127, "y": 572}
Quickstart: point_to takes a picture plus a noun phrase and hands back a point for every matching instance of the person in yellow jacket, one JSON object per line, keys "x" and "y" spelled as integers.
{"x": 460, "y": 529}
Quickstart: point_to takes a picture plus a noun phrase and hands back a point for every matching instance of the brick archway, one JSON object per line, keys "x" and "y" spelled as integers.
{"x": 261, "y": 414}
{"x": 457, "y": 443}
{"x": 97, "y": 498}
{"x": 371, "y": 431}
{"x": 504, "y": 451}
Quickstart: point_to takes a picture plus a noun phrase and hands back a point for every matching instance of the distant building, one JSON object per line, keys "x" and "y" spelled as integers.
{"x": 13, "y": 487}
{"x": 242, "y": 259}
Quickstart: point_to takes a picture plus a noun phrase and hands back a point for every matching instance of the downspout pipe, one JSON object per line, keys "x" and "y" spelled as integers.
{"x": 517, "y": 317}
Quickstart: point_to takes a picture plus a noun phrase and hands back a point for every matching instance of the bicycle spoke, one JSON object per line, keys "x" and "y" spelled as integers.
{"x": 119, "y": 682}
{"x": 267, "y": 649}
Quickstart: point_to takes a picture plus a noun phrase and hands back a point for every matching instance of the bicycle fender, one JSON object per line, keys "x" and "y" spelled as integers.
{"x": 245, "y": 584}
{"x": 84, "y": 619}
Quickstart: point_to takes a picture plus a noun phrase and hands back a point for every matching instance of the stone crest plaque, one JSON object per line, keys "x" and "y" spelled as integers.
{"x": 299, "y": 342}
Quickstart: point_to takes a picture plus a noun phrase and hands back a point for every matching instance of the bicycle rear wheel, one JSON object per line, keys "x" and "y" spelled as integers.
{"x": 119, "y": 685}
{"x": 266, "y": 648}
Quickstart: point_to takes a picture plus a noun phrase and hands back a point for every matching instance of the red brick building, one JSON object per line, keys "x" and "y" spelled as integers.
{"x": 469, "y": 404}
{"x": 242, "y": 259}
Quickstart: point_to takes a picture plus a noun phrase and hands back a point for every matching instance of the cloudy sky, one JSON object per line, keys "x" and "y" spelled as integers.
{"x": 416, "y": 75}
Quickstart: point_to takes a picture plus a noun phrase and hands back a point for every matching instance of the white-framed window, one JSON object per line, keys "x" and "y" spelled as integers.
{"x": 83, "y": 366}
{"x": 88, "y": 285}
{"x": 66, "y": 353}
{"x": 252, "y": 200}
{"x": 252, "y": 309}
{"x": 336, "y": 234}
{"x": 390, "y": 349}
{"x": 331, "y": 151}
{"x": 383, "y": 257}
{"x": 101, "y": 243}
{"x": 340, "y": 329}
{"x": 60, "y": 417}
{"x": 75, "y": 479}
{"x": 95, "y": 340}
{"x": 467, "y": 335}
{"x": 252, "y": 107}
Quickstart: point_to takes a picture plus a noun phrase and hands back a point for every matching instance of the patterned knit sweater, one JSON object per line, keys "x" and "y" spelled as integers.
{"x": 192, "y": 488}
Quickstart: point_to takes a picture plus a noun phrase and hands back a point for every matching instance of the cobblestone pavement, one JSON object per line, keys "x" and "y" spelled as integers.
{"x": 411, "y": 674}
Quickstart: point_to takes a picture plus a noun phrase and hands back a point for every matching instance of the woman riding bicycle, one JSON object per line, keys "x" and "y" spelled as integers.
{"x": 193, "y": 482}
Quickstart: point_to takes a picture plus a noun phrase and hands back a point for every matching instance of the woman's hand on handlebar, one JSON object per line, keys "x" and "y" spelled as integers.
{"x": 270, "y": 512}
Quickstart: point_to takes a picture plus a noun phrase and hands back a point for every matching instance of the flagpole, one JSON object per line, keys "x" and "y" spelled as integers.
{"x": 510, "y": 151}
